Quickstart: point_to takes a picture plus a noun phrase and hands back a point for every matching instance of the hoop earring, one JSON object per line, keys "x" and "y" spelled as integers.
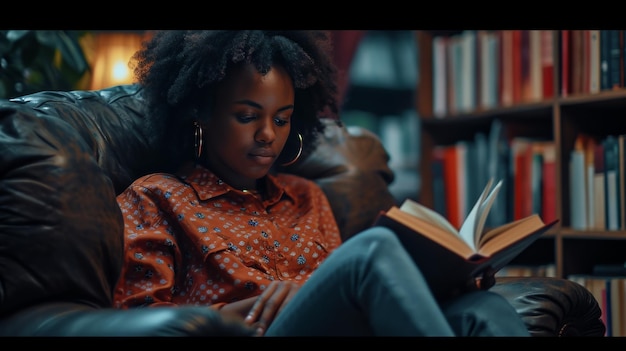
{"x": 298, "y": 155}
{"x": 197, "y": 139}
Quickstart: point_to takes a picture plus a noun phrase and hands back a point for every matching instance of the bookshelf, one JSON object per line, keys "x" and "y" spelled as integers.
{"x": 560, "y": 118}
{"x": 588, "y": 98}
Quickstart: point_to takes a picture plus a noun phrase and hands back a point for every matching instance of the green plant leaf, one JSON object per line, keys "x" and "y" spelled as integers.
{"x": 67, "y": 42}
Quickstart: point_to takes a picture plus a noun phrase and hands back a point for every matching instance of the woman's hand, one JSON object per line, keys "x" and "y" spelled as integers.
{"x": 487, "y": 280}
{"x": 269, "y": 304}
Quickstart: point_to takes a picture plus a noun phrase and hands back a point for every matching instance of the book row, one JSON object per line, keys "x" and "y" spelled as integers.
{"x": 483, "y": 69}
{"x": 526, "y": 166}
{"x": 598, "y": 183}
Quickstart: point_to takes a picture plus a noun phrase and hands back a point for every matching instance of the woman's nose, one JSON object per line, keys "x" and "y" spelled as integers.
{"x": 266, "y": 133}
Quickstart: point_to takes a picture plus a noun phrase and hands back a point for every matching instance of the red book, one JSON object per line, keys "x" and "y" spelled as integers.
{"x": 547, "y": 63}
{"x": 548, "y": 201}
{"x": 521, "y": 153}
{"x": 517, "y": 66}
{"x": 565, "y": 62}
{"x": 450, "y": 174}
{"x": 525, "y": 78}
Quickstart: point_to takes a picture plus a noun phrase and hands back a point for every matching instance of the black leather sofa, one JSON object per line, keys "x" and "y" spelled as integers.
{"x": 65, "y": 155}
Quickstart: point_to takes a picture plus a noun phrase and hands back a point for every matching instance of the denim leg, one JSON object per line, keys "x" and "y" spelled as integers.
{"x": 368, "y": 287}
{"x": 483, "y": 313}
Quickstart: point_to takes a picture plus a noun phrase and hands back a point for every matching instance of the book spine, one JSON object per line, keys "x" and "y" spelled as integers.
{"x": 506, "y": 68}
{"x": 440, "y": 78}
{"x": 611, "y": 180}
{"x": 604, "y": 59}
{"x": 614, "y": 60}
{"x": 517, "y": 66}
{"x": 450, "y": 174}
{"x": 439, "y": 188}
{"x": 535, "y": 92}
{"x": 566, "y": 58}
{"x": 594, "y": 61}
{"x": 548, "y": 206}
{"x": 547, "y": 63}
{"x": 578, "y": 203}
{"x": 599, "y": 200}
{"x": 621, "y": 169}
{"x": 577, "y": 55}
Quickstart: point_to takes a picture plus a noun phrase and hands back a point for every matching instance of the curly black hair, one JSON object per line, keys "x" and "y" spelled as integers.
{"x": 179, "y": 70}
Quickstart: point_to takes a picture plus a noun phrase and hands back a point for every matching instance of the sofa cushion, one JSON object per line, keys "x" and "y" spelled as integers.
{"x": 60, "y": 227}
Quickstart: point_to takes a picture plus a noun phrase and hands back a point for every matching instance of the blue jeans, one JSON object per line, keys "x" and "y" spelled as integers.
{"x": 371, "y": 287}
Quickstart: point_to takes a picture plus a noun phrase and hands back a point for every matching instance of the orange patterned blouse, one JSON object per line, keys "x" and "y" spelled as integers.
{"x": 196, "y": 240}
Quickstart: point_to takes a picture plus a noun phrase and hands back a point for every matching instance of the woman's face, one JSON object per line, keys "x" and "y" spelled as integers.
{"x": 249, "y": 125}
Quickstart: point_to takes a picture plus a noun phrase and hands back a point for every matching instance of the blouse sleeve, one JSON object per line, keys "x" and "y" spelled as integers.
{"x": 151, "y": 253}
{"x": 328, "y": 223}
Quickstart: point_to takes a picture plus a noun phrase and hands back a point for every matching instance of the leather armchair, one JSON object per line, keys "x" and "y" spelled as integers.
{"x": 64, "y": 156}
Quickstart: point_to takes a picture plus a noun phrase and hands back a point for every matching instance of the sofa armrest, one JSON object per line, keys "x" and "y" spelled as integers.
{"x": 552, "y": 306}
{"x": 74, "y": 319}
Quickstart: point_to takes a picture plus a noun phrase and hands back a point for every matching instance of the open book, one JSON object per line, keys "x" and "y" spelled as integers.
{"x": 448, "y": 257}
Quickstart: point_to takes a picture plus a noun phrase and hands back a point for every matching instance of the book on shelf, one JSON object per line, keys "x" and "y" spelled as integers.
{"x": 449, "y": 257}
{"x": 535, "y": 91}
{"x": 615, "y": 53}
{"x": 605, "y": 53}
{"x": 577, "y": 185}
{"x": 440, "y": 76}
{"x": 599, "y": 200}
{"x": 589, "y": 147}
{"x": 489, "y": 46}
{"x": 621, "y": 179}
{"x": 547, "y": 63}
{"x": 566, "y": 62}
{"x": 518, "y": 54}
{"x": 548, "y": 193}
{"x": 522, "y": 163}
{"x": 594, "y": 61}
{"x": 505, "y": 80}
{"x": 469, "y": 65}
{"x": 611, "y": 182}
{"x": 577, "y": 64}
{"x": 525, "y": 88}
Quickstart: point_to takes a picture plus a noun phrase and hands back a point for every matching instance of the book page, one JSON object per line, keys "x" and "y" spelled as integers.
{"x": 506, "y": 235}
{"x": 474, "y": 224}
{"x": 420, "y": 211}
{"x": 483, "y": 213}
{"x": 420, "y": 227}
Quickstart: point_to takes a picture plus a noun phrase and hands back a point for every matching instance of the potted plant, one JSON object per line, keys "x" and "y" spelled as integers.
{"x": 36, "y": 60}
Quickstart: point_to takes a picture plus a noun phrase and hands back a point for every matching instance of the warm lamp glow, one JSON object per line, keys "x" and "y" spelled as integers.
{"x": 113, "y": 52}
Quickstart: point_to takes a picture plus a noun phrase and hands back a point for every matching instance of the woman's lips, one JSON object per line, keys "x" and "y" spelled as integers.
{"x": 263, "y": 157}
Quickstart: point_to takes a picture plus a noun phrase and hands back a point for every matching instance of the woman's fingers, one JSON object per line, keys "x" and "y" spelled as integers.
{"x": 269, "y": 304}
{"x": 259, "y": 304}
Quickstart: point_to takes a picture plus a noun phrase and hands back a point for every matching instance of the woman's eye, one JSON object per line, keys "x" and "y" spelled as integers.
{"x": 245, "y": 118}
{"x": 280, "y": 122}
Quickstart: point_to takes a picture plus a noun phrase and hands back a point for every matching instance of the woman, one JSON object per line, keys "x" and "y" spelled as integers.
{"x": 229, "y": 232}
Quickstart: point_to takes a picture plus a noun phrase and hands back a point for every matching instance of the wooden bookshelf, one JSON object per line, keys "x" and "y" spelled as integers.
{"x": 559, "y": 118}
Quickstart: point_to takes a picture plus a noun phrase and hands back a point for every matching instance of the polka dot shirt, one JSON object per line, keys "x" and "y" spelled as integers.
{"x": 196, "y": 240}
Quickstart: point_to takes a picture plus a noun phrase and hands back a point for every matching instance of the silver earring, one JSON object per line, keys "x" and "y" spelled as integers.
{"x": 197, "y": 139}
{"x": 298, "y": 155}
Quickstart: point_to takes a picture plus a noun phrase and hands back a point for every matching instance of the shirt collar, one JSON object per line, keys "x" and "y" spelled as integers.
{"x": 207, "y": 185}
